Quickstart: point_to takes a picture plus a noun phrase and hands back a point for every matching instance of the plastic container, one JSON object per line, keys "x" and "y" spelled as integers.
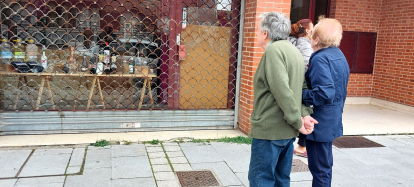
{"x": 6, "y": 52}
{"x": 31, "y": 51}
{"x": 44, "y": 60}
{"x": 19, "y": 52}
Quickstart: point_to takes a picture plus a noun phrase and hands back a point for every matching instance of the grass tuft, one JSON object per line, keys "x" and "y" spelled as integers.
{"x": 238, "y": 139}
{"x": 100, "y": 143}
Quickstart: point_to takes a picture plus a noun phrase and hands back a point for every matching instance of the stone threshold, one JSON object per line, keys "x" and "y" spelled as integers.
{"x": 381, "y": 103}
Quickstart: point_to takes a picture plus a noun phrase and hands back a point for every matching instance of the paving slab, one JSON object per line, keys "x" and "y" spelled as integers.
{"x": 161, "y": 168}
{"x": 222, "y": 171}
{"x": 377, "y": 182}
{"x": 300, "y": 184}
{"x": 128, "y": 150}
{"x": 198, "y": 153}
{"x": 385, "y": 141}
{"x": 98, "y": 158}
{"x": 178, "y": 160}
{"x": 41, "y": 182}
{"x": 73, "y": 169}
{"x": 136, "y": 182}
{"x": 182, "y": 167}
{"x": 8, "y": 182}
{"x": 77, "y": 157}
{"x": 164, "y": 176}
{"x": 11, "y": 161}
{"x": 407, "y": 141}
{"x": 76, "y": 161}
{"x": 235, "y": 155}
{"x": 405, "y": 150}
{"x": 248, "y": 147}
{"x": 244, "y": 178}
{"x": 353, "y": 169}
{"x": 52, "y": 151}
{"x": 170, "y": 144}
{"x": 47, "y": 163}
{"x": 91, "y": 178}
{"x": 159, "y": 161}
{"x": 99, "y": 148}
{"x": 175, "y": 154}
{"x": 301, "y": 176}
{"x": 131, "y": 167}
{"x": 170, "y": 183}
{"x": 156, "y": 155}
{"x": 172, "y": 148}
{"x": 154, "y": 149}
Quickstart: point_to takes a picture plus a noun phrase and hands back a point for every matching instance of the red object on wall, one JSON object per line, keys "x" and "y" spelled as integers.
{"x": 182, "y": 52}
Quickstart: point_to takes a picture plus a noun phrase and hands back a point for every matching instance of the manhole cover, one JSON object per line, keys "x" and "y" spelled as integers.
{"x": 299, "y": 166}
{"x": 197, "y": 178}
{"x": 354, "y": 142}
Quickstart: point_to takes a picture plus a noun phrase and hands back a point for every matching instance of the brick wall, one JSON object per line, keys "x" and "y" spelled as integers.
{"x": 394, "y": 64}
{"x": 360, "y": 16}
{"x": 252, "y": 53}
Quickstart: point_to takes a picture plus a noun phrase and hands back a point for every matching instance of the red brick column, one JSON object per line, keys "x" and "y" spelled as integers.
{"x": 252, "y": 53}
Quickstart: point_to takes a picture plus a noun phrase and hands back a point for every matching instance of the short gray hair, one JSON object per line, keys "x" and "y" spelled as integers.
{"x": 277, "y": 24}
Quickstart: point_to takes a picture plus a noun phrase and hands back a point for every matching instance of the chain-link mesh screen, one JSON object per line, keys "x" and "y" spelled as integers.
{"x": 118, "y": 54}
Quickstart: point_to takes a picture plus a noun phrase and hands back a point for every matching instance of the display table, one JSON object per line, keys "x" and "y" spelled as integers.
{"x": 46, "y": 76}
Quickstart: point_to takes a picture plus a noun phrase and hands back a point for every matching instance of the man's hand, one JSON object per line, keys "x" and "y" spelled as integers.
{"x": 309, "y": 122}
{"x": 308, "y": 125}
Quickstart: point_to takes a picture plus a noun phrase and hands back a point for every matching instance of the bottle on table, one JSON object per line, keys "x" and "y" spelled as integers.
{"x": 73, "y": 65}
{"x": 18, "y": 51}
{"x": 113, "y": 60}
{"x": 6, "y": 55}
{"x": 93, "y": 66}
{"x": 131, "y": 65}
{"x": 43, "y": 59}
{"x": 125, "y": 66}
{"x": 31, "y": 51}
{"x": 84, "y": 63}
{"x": 100, "y": 65}
{"x": 107, "y": 53}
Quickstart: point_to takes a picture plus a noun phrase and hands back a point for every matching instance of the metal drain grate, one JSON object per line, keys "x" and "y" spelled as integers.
{"x": 299, "y": 166}
{"x": 354, "y": 142}
{"x": 197, "y": 178}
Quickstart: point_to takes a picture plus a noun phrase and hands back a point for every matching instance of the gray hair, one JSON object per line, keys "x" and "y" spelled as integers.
{"x": 277, "y": 25}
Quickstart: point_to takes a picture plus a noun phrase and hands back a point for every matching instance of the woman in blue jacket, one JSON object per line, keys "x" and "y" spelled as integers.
{"x": 327, "y": 80}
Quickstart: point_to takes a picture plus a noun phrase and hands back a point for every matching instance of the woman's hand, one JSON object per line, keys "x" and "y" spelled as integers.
{"x": 308, "y": 125}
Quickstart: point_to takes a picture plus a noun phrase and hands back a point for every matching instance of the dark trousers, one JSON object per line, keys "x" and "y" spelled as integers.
{"x": 271, "y": 163}
{"x": 302, "y": 140}
{"x": 320, "y": 162}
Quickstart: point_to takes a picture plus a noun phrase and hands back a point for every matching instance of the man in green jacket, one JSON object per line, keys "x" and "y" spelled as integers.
{"x": 278, "y": 112}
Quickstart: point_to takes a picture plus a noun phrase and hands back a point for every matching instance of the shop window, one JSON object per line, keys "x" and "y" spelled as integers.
{"x": 359, "y": 50}
{"x": 309, "y": 9}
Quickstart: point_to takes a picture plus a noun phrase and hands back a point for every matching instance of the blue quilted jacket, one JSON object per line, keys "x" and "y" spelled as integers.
{"x": 327, "y": 80}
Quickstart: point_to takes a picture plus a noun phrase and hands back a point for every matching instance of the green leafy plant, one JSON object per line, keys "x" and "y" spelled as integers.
{"x": 238, "y": 139}
{"x": 200, "y": 141}
{"x": 127, "y": 142}
{"x": 153, "y": 142}
{"x": 100, "y": 143}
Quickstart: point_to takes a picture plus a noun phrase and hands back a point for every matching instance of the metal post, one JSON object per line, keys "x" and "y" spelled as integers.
{"x": 239, "y": 63}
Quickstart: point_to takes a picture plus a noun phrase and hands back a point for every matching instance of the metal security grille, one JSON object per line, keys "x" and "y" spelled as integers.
{"x": 185, "y": 54}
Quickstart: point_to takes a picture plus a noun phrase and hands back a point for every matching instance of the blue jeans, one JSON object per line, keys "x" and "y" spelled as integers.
{"x": 271, "y": 163}
{"x": 320, "y": 161}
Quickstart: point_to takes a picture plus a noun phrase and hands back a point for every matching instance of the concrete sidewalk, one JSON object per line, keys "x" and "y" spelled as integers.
{"x": 67, "y": 160}
{"x": 357, "y": 120}
{"x": 150, "y": 165}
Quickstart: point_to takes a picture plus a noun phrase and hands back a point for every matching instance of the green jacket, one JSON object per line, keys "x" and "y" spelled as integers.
{"x": 278, "y": 84}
